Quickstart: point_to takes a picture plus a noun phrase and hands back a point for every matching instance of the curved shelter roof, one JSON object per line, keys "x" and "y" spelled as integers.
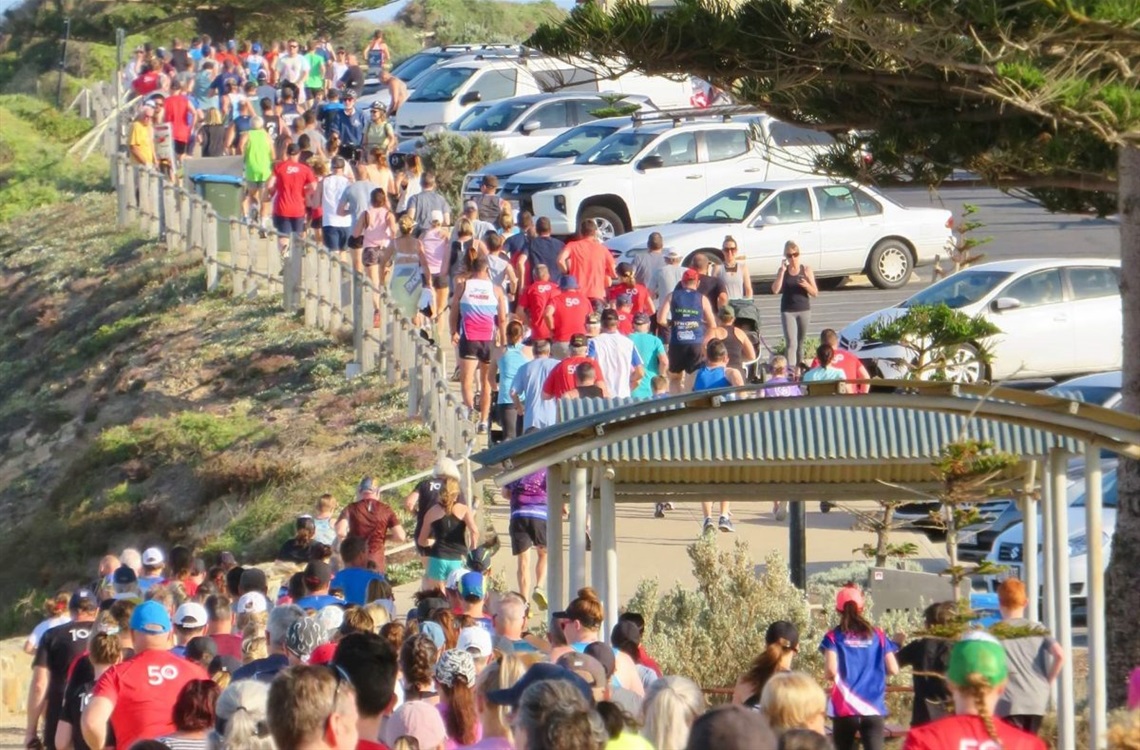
{"x": 823, "y": 438}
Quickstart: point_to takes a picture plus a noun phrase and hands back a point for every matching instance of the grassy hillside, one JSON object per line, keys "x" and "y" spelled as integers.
{"x": 137, "y": 409}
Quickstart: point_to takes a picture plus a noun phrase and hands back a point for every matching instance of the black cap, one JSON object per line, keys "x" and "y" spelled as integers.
{"x": 223, "y": 663}
{"x": 83, "y": 599}
{"x": 605, "y": 656}
{"x": 540, "y": 672}
{"x": 201, "y": 648}
{"x": 640, "y": 319}
{"x": 729, "y": 728}
{"x": 262, "y": 75}
{"x": 253, "y": 579}
{"x": 785, "y": 632}
{"x": 626, "y": 632}
{"x": 624, "y": 269}
{"x": 609, "y": 316}
{"x": 424, "y": 609}
{"x": 318, "y": 574}
{"x": 124, "y": 576}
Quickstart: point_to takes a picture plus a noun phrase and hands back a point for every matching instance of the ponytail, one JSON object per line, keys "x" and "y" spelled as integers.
{"x": 851, "y": 620}
{"x": 765, "y": 665}
{"x": 450, "y": 494}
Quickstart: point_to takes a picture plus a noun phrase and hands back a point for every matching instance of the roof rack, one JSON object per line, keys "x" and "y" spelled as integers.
{"x": 724, "y": 113}
{"x": 476, "y": 47}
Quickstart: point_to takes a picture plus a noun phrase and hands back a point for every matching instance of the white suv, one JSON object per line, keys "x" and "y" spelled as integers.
{"x": 662, "y": 165}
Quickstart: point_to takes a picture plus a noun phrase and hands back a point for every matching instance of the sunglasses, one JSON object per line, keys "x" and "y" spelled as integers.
{"x": 729, "y": 247}
{"x": 341, "y": 678}
{"x": 792, "y": 255}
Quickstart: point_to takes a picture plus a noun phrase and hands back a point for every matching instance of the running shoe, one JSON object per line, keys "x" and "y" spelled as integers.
{"x": 708, "y": 527}
{"x": 481, "y": 428}
{"x": 659, "y": 510}
{"x": 539, "y": 598}
{"x": 781, "y": 511}
{"x": 725, "y": 525}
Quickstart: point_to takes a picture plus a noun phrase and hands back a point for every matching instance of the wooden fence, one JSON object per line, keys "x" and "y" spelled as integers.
{"x": 308, "y": 279}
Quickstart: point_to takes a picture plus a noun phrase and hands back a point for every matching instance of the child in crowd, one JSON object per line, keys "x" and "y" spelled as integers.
{"x": 324, "y": 520}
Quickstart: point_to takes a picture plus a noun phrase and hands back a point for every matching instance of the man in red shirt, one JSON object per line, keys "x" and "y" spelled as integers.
{"x": 371, "y": 519}
{"x": 626, "y": 284}
{"x": 534, "y": 301}
{"x": 290, "y": 185}
{"x": 136, "y": 696}
{"x": 852, "y": 366}
{"x": 179, "y": 113}
{"x": 219, "y": 614}
{"x": 590, "y": 261}
{"x": 566, "y": 315}
{"x": 560, "y": 381}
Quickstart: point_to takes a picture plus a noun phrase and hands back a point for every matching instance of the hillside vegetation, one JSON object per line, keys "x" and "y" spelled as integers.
{"x": 136, "y": 408}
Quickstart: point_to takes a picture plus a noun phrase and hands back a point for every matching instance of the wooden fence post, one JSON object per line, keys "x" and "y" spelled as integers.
{"x": 123, "y": 188}
{"x": 336, "y": 294}
{"x": 358, "y": 322}
{"x": 154, "y": 193}
{"x": 309, "y": 284}
{"x": 237, "y": 244}
{"x": 293, "y": 273}
{"x": 414, "y": 381}
{"x": 211, "y": 228}
{"x": 131, "y": 190}
{"x": 269, "y": 257}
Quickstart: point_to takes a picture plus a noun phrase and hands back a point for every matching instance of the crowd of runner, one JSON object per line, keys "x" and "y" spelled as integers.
{"x": 162, "y": 651}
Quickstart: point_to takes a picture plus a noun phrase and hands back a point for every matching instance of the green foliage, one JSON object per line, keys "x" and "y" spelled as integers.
{"x": 469, "y": 21}
{"x": 933, "y": 335}
{"x": 614, "y": 107}
{"x": 711, "y": 632}
{"x": 188, "y": 436}
{"x": 451, "y": 156}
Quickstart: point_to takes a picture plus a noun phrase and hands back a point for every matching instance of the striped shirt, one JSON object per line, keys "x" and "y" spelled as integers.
{"x": 477, "y": 310}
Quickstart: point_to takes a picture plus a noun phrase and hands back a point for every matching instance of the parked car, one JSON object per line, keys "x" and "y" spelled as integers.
{"x": 655, "y": 169}
{"x": 1058, "y": 317}
{"x": 841, "y": 229}
{"x": 563, "y": 149}
{"x": 1009, "y": 547}
{"x": 412, "y": 66}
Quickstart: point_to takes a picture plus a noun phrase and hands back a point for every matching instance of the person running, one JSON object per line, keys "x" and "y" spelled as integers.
{"x": 1035, "y": 661}
{"x": 978, "y": 673}
{"x": 527, "y": 529}
{"x": 426, "y": 496}
{"x": 336, "y": 227}
{"x": 561, "y": 380}
{"x": 290, "y": 185}
{"x": 589, "y": 261}
{"x": 617, "y": 357}
{"x": 586, "y": 384}
{"x": 533, "y": 301}
{"x": 734, "y": 273}
{"x": 447, "y": 527}
{"x": 795, "y": 283}
{"x": 645, "y": 264}
{"x": 713, "y": 375}
{"x": 371, "y": 519}
{"x": 565, "y": 315}
{"x": 505, "y": 369}
{"x": 376, "y": 170}
{"x": 526, "y": 389}
{"x": 627, "y": 285}
{"x": 375, "y": 229}
{"x": 688, "y": 315}
{"x": 410, "y": 272}
{"x": 928, "y": 656}
{"x": 57, "y": 649}
{"x": 652, "y": 354}
{"x": 858, "y": 658}
{"x": 708, "y": 284}
{"x": 481, "y": 308}
{"x": 258, "y": 157}
{"x": 736, "y": 341}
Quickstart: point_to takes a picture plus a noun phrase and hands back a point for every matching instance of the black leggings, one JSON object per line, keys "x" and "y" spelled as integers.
{"x": 869, "y": 729}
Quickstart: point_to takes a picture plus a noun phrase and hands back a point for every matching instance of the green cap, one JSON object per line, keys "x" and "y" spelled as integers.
{"x": 977, "y": 653}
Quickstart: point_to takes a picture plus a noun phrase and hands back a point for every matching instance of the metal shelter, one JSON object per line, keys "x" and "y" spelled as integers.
{"x": 729, "y": 445}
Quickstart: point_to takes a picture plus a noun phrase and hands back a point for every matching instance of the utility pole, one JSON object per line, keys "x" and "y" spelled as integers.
{"x": 117, "y": 84}
{"x": 62, "y": 62}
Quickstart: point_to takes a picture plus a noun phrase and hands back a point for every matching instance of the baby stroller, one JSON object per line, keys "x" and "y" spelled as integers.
{"x": 748, "y": 320}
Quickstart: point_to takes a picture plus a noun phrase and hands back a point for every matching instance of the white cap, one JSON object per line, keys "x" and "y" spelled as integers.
{"x": 191, "y": 615}
{"x": 331, "y": 618}
{"x": 446, "y": 467}
{"x": 453, "y": 578}
{"x": 475, "y": 640}
{"x": 436, "y": 216}
{"x": 252, "y": 602}
{"x": 152, "y": 556}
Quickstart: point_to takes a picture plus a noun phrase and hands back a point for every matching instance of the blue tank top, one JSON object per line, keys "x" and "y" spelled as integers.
{"x": 709, "y": 379}
{"x": 688, "y": 317}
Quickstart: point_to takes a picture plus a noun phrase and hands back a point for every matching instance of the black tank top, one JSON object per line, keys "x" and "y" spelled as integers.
{"x": 793, "y": 297}
{"x": 450, "y": 534}
{"x": 590, "y": 391}
{"x": 734, "y": 347}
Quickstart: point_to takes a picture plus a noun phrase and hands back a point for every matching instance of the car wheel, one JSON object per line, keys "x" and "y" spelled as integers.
{"x": 961, "y": 365}
{"x": 831, "y": 283}
{"x": 890, "y": 264}
{"x": 609, "y": 223}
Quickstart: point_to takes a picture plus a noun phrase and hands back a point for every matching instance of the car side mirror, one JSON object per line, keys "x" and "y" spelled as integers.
{"x": 471, "y": 97}
{"x": 763, "y": 221}
{"x": 529, "y": 126}
{"x": 651, "y": 162}
{"x": 1005, "y": 303}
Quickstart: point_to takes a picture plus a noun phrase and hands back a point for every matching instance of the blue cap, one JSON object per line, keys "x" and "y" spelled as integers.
{"x": 471, "y": 585}
{"x": 568, "y": 282}
{"x": 151, "y": 618}
{"x": 82, "y": 599}
{"x": 539, "y": 673}
{"x": 257, "y": 47}
{"x": 433, "y": 630}
{"x": 479, "y": 560}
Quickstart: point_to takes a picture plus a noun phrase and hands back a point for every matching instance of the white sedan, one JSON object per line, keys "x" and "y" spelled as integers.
{"x": 1057, "y": 317}
{"x": 841, "y": 229}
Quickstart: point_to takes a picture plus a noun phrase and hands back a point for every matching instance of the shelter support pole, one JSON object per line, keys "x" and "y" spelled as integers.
{"x": 579, "y": 495}
{"x": 598, "y": 549}
{"x": 797, "y": 543}
{"x": 1094, "y": 598}
{"x": 1066, "y": 722}
{"x": 555, "y": 566}
{"x": 608, "y": 542}
{"x": 1048, "y": 600}
{"x": 1032, "y": 576}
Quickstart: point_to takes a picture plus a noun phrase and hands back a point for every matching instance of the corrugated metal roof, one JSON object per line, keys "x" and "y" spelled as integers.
{"x": 812, "y": 434}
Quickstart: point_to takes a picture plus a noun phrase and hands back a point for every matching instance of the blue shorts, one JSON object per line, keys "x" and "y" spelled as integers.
{"x": 289, "y": 225}
{"x": 439, "y": 570}
{"x": 336, "y": 238}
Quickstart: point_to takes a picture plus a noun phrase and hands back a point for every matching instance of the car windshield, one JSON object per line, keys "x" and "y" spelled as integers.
{"x": 575, "y": 142}
{"x": 497, "y": 117}
{"x": 468, "y": 116}
{"x": 730, "y": 206}
{"x": 619, "y": 148}
{"x": 1098, "y": 395}
{"x": 1108, "y": 492}
{"x": 441, "y": 86}
{"x": 961, "y": 289}
{"x": 414, "y": 65}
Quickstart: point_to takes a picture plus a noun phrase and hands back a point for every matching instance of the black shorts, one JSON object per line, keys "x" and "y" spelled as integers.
{"x": 289, "y": 224}
{"x": 181, "y": 148}
{"x": 480, "y": 350}
{"x": 371, "y": 256}
{"x": 440, "y": 281}
{"x": 526, "y": 533}
{"x": 685, "y": 357}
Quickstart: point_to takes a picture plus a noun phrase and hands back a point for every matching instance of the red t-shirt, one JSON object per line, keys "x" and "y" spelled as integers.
{"x": 847, "y": 362}
{"x": 229, "y": 644}
{"x": 289, "y": 197}
{"x": 144, "y": 690}
{"x": 561, "y": 378}
{"x": 570, "y": 310}
{"x": 969, "y": 733}
{"x": 147, "y": 83}
{"x": 534, "y": 301}
{"x": 625, "y": 322}
{"x": 638, "y": 292}
{"x": 177, "y": 111}
{"x": 363, "y": 744}
{"x": 592, "y": 264}
{"x": 371, "y": 519}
